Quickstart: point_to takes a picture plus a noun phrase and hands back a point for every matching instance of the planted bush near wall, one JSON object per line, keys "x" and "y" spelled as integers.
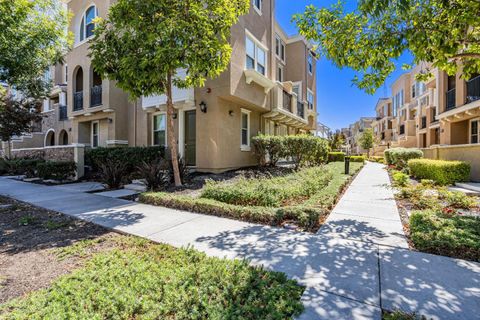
{"x": 130, "y": 156}
{"x": 336, "y": 156}
{"x": 303, "y": 150}
{"x": 441, "y": 171}
{"x": 57, "y": 170}
{"x": 26, "y": 167}
{"x": 358, "y": 158}
{"x": 399, "y": 157}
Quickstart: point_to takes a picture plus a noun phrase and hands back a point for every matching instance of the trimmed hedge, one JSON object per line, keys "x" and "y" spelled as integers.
{"x": 26, "y": 167}
{"x": 399, "y": 157}
{"x": 377, "y": 159}
{"x": 358, "y": 159}
{"x": 301, "y": 149}
{"x": 441, "y": 171}
{"x": 57, "y": 170}
{"x": 130, "y": 156}
{"x": 336, "y": 156}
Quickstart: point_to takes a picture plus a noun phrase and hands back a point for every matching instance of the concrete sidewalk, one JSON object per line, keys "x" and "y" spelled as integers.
{"x": 347, "y": 268}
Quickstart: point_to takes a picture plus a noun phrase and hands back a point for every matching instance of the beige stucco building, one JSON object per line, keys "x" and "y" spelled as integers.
{"x": 269, "y": 87}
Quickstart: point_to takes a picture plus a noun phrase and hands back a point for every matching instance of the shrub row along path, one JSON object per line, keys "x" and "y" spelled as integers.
{"x": 357, "y": 264}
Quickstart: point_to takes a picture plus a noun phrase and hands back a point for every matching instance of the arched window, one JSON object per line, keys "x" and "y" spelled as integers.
{"x": 87, "y": 25}
{"x": 63, "y": 138}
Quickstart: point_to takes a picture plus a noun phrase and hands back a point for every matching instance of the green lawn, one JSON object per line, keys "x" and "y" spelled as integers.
{"x": 141, "y": 280}
{"x": 303, "y": 198}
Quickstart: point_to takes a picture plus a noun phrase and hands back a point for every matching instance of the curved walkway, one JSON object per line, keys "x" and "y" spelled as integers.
{"x": 356, "y": 265}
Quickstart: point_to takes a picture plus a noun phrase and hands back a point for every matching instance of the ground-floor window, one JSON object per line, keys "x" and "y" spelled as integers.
{"x": 245, "y": 130}
{"x": 95, "y": 134}
{"x": 474, "y": 131}
{"x": 160, "y": 129}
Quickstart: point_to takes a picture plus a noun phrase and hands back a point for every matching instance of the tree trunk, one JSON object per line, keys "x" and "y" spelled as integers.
{"x": 171, "y": 133}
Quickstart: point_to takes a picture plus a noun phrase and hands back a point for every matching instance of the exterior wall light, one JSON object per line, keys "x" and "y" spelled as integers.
{"x": 203, "y": 107}
{"x": 231, "y": 113}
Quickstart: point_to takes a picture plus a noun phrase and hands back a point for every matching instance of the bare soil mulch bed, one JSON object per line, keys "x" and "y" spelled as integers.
{"x": 37, "y": 246}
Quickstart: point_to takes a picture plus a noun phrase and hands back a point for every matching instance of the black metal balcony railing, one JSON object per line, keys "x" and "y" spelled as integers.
{"x": 96, "y": 96}
{"x": 473, "y": 89}
{"x": 424, "y": 122}
{"x": 451, "y": 99}
{"x": 300, "y": 109}
{"x": 402, "y": 129}
{"x": 62, "y": 113}
{"x": 78, "y": 101}
{"x": 287, "y": 101}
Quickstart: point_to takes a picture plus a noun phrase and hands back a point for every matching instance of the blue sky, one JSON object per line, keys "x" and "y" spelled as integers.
{"x": 339, "y": 102}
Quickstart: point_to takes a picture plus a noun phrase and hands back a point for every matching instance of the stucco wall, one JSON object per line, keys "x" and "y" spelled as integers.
{"x": 467, "y": 153}
{"x": 47, "y": 153}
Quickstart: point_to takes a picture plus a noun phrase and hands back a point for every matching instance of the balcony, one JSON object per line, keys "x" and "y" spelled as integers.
{"x": 301, "y": 109}
{"x": 180, "y": 97}
{"x": 473, "y": 89}
{"x": 62, "y": 113}
{"x": 96, "y": 96}
{"x": 78, "y": 101}
{"x": 450, "y": 99}
{"x": 286, "y": 109}
{"x": 261, "y": 80}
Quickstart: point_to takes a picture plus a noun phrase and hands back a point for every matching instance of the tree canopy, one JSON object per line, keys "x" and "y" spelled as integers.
{"x": 142, "y": 45}
{"x": 371, "y": 37}
{"x": 33, "y": 37}
{"x": 367, "y": 139}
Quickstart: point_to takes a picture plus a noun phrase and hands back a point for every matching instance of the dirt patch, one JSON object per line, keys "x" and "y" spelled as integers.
{"x": 33, "y": 246}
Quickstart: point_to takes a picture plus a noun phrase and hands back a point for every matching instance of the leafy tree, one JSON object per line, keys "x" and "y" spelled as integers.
{"x": 366, "y": 140}
{"x": 370, "y": 38}
{"x": 32, "y": 38}
{"x": 17, "y": 114}
{"x": 336, "y": 141}
{"x": 143, "y": 43}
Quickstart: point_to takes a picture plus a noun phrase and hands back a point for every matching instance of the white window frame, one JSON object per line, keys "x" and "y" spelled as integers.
{"x": 470, "y": 133}
{"x": 281, "y": 48}
{"x": 84, "y": 22}
{"x": 310, "y": 92}
{"x": 257, "y": 45}
{"x": 257, "y": 9}
{"x": 310, "y": 63}
{"x": 98, "y": 133}
{"x": 300, "y": 90}
{"x": 153, "y": 128}
{"x": 245, "y": 147}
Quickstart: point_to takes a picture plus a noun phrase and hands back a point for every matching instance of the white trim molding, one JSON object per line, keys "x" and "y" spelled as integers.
{"x": 245, "y": 147}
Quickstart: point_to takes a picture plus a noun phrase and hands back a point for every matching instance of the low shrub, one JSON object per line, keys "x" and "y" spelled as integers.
{"x": 26, "y": 167}
{"x": 336, "y": 156}
{"x": 268, "y": 148}
{"x": 440, "y": 171}
{"x": 377, "y": 159}
{"x": 400, "y": 179}
{"x": 155, "y": 173}
{"x": 458, "y": 200}
{"x": 131, "y": 157}
{"x": 399, "y": 157}
{"x": 113, "y": 173}
{"x": 269, "y": 192}
{"x": 57, "y": 170}
{"x": 358, "y": 158}
{"x": 456, "y": 236}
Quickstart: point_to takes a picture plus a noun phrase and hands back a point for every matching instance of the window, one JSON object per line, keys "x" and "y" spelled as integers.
{"x": 297, "y": 88}
{"x": 418, "y": 88}
{"x": 397, "y": 102}
{"x": 87, "y": 25}
{"x": 256, "y": 56}
{"x": 160, "y": 130}
{"x": 280, "y": 73}
{"x": 310, "y": 63}
{"x": 257, "y": 5}
{"x": 474, "y": 131}
{"x": 310, "y": 99}
{"x": 95, "y": 134}
{"x": 245, "y": 130}
{"x": 280, "y": 48}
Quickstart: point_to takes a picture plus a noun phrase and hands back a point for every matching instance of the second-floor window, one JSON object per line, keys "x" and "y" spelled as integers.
{"x": 87, "y": 25}
{"x": 474, "y": 131}
{"x": 310, "y": 99}
{"x": 310, "y": 63}
{"x": 397, "y": 102}
{"x": 280, "y": 73}
{"x": 418, "y": 88}
{"x": 280, "y": 48}
{"x": 256, "y": 56}
{"x": 257, "y": 5}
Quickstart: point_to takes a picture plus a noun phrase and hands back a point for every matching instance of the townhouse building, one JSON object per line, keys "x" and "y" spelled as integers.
{"x": 383, "y": 123}
{"x": 355, "y": 131}
{"x": 269, "y": 87}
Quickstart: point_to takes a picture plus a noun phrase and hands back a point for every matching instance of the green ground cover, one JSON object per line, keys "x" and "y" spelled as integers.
{"x": 303, "y": 198}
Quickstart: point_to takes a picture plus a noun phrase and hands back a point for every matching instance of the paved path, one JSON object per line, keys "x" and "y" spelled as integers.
{"x": 352, "y": 268}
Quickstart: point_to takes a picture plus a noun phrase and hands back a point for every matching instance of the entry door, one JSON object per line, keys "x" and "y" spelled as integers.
{"x": 190, "y": 137}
